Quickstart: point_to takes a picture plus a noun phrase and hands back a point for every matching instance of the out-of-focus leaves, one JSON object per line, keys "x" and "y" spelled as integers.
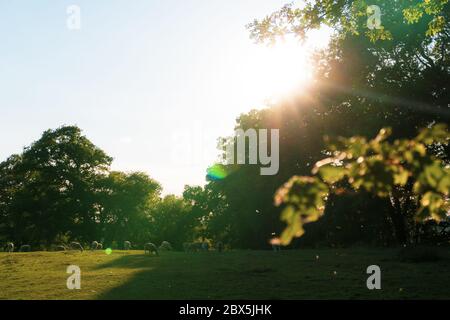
{"x": 436, "y": 134}
{"x": 331, "y": 174}
{"x": 306, "y": 197}
{"x": 377, "y": 166}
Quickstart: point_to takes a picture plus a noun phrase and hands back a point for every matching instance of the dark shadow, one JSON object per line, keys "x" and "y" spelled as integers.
{"x": 261, "y": 275}
{"x": 180, "y": 276}
{"x": 134, "y": 261}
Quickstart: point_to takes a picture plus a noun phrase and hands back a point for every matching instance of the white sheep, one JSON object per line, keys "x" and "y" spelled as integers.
{"x": 60, "y": 248}
{"x": 9, "y": 247}
{"x": 94, "y": 245}
{"x": 151, "y": 248}
{"x": 165, "y": 245}
{"x": 127, "y": 245}
{"x": 76, "y": 246}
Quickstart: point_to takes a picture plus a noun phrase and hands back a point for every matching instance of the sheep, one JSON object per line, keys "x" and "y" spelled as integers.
{"x": 25, "y": 248}
{"x": 9, "y": 247}
{"x": 151, "y": 248}
{"x": 165, "y": 245}
{"x": 100, "y": 246}
{"x": 127, "y": 245}
{"x": 94, "y": 245}
{"x": 76, "y": 246}
{"x": 60, "y": 248}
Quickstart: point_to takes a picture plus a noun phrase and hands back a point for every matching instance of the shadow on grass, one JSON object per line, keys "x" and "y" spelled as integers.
{"x": 168, "y": 276}
{"x": 265, "y": 275}
{"x": 180, "y": 276}
{"x": 134, "y": 261}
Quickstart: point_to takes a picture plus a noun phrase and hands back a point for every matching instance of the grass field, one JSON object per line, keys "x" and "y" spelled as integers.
{"x": 302, "y": 274}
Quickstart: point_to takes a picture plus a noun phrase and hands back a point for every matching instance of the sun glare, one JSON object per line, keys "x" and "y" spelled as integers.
{"x": 272, "y": 73}
{"x": 279, "y": 70}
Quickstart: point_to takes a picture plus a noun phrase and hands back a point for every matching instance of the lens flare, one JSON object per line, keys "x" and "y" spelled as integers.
{"x": 217, "y": 172}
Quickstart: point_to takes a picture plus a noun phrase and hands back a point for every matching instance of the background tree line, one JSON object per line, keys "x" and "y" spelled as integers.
{"x": 396, "y": 77}
{"x": 61, "y": 188}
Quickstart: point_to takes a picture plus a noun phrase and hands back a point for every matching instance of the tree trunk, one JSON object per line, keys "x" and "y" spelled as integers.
{"x": 398, "y": 220}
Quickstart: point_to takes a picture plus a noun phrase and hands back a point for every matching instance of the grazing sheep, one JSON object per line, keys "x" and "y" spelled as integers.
{"x": 60, "y": 248}
{"x": 9, "y": 247}
{"x": 127, "y": 245}
{"x": 94, "y": 245}
{"x": 76, "y": 246}
{"x": 25, "y": 248}
{"x": 165, "y": 245}
{"x": 151, "y": 248}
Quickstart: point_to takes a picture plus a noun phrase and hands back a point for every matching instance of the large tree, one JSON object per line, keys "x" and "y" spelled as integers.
{"x": 49, "y": 189}
{"x": 395, "y": 76}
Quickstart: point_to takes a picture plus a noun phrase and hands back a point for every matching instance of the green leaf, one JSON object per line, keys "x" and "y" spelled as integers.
{"x": 332, "y": 174}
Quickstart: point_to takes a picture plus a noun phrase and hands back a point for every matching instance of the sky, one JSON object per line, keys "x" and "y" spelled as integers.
{"x": 153, "y": 83}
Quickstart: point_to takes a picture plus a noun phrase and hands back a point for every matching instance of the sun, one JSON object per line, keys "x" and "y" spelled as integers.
{"x": 272, "y": 73}
{"x": 267, "y": 74}
{"x": 280, "y": 70}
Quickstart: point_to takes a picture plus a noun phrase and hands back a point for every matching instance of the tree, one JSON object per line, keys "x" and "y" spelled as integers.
{"x": 351, "y": 17}
{"x": 50, "y": 188}
{"x": 393, "y": 76}
{"x": 125, "y": 203}
{"x": 171, "y": 220}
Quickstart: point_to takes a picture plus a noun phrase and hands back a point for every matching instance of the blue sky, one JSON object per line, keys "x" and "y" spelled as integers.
{"x": 153, "y": 83}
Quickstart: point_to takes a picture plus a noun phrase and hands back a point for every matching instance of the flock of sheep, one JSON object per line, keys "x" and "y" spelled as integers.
{"x": 149, "y": 248}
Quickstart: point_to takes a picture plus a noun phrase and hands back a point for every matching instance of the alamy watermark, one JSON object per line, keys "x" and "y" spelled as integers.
{"x": 374, "y": 20}
{"x": 73, "y": 21}
{"x": 74, "y": 280}
{"x": 374, "y": 281}
{"x": 258, "y": 149}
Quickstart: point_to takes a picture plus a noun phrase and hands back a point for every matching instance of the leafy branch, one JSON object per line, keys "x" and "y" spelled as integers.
{"x": 377, "y": 166}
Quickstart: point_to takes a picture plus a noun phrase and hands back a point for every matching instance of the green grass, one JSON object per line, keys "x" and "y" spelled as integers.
{"x": 336, "y": 274}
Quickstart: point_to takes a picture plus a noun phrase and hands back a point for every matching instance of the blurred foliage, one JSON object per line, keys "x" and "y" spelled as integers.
{"x": 377, "y": 166}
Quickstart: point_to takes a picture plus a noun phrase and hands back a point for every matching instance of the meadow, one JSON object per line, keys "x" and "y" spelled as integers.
{"x": 290, "y": 274}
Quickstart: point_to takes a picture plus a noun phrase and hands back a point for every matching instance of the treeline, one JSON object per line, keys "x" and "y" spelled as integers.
{"x": 61, "y": 188}
{"x": 395, "y": 77}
